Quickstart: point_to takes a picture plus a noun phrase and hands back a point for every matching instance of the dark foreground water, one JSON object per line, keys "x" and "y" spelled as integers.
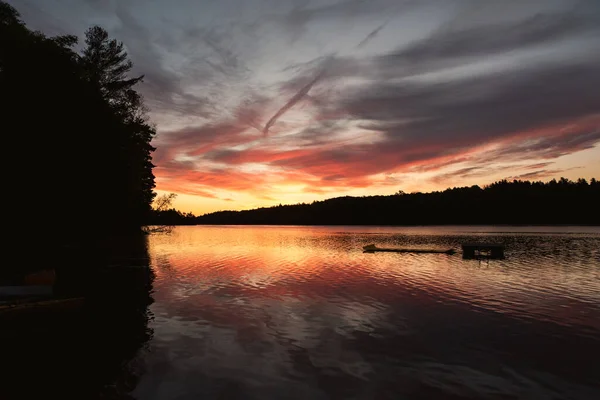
{"x": 303, "y": 313}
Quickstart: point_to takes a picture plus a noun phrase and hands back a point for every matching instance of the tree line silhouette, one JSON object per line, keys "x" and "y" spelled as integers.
{"x": 505, "y": 202}
{"x": 76, "y": 128}
{"x": 164, "y": 215}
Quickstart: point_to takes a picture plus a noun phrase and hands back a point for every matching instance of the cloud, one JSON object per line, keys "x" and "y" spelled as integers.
{"x": 359, "y": 162}
{"x": 537, "y": 174}
{"x": 371, "y": 35}
{"x": 290, "y": 103}
{"x": 550, "y": 146}
{"x": 203, "y": 182}
{"x": 162, "y": 88}
{"x": 480, "y": 107}
{"x": 297, "y": 20}
{"x": 422, "y": 123}
{"x": 466, "y": 173}
{"x": 452, "y": 90}
{"x": 194, "y": 141}
{"x": 236, "y": 157}
{"x": 456, "y": 43}
{"x": 538, "y": 165}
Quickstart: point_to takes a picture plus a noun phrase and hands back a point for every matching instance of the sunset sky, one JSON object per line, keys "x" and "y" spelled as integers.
{"x": 261, "y": 102}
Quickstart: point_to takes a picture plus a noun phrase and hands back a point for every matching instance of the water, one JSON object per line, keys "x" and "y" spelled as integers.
{"x": 261, "y": 312}
{"x": 302, "y": 312}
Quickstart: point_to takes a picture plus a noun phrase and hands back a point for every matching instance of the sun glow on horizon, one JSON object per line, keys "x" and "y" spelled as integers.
{"x": 584, "y": 164}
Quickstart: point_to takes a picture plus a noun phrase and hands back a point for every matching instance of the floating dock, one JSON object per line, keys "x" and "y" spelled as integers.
{"x": 372, "y": 249}
{"x": 494, "y": 251}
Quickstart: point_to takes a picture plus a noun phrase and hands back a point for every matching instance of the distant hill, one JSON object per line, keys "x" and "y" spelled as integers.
{"x": 511, "y": 203}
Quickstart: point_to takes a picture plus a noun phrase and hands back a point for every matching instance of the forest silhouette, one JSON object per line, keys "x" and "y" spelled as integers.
{"x": 504, "y": 203}
{"x": 78, "y": 144}
{"x": 78, "y": 132}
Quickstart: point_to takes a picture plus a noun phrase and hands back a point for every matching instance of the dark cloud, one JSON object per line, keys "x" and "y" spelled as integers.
{"x": 537, "y": 174}
{"x": 194, "y": 141}
{"x": 163, "y": 88}
{"x": 433, "y": 120}
{"x": 103, "y": 5}
{"x": 371, "y": 35}
{"x": 290, "y": 103}
{"x": 468, "y": 173}
{"x": 38, "y": 18}
{"x": 209, "y": 138}
{"x": 480, "y": 108}
{"x": 336, "y": 177}
{"x": 359, "y": 161}
{"x": 538, "y": 165}
{"x": 548, "y": 147}
{"x": 296, "y": 21}
{"x": 440, "y": 164}
{"x": 450, "y": 46}
{"x": 542, "y": 173}
{"x": 238, "y": 157}
{"x": 320, "y": 133}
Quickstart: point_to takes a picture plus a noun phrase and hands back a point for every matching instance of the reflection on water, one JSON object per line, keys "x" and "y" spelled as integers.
{"x": 301, "y": 312}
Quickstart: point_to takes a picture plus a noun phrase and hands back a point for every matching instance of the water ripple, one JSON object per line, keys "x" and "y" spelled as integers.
{"x": 302, "y": 312}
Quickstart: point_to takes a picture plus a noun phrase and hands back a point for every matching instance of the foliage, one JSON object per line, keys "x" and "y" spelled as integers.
{"x": 163, "y": 213}
{"x": 517, "y": 202}
{"x": 164, "y": 202}
{"x": 164, "y": 217}
{"x": 77, "y": 130}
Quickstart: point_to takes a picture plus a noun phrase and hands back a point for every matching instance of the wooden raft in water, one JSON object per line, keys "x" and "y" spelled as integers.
{"x": 372, "y": 249}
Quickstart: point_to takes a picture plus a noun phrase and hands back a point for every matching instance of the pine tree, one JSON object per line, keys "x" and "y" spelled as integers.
{"x": 106, "y": 65}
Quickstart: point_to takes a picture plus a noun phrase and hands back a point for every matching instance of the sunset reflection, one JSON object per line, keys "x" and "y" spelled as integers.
{"x": 300, "y": 262}
{"x": 272, "y": 309}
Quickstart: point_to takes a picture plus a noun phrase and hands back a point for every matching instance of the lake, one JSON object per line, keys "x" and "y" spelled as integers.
{"x": 301, "y": 312}
{"x": 296, "y": 312}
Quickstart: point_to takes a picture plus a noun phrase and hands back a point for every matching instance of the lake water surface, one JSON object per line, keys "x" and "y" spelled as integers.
{"x": 302, "y": 313}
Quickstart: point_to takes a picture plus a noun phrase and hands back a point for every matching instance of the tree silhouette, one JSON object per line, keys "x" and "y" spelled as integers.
{"x": 503, "y": 202}
{"x": 9, "y": 16}
{"x": 106, "y": 65}
{"x": 77, "y": 133}
{"x": 164, "y": 202}
{"x": 166, "y": 216}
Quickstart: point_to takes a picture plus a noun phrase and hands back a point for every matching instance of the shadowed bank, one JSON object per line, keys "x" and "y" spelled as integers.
{"x": 85, "y": 352}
